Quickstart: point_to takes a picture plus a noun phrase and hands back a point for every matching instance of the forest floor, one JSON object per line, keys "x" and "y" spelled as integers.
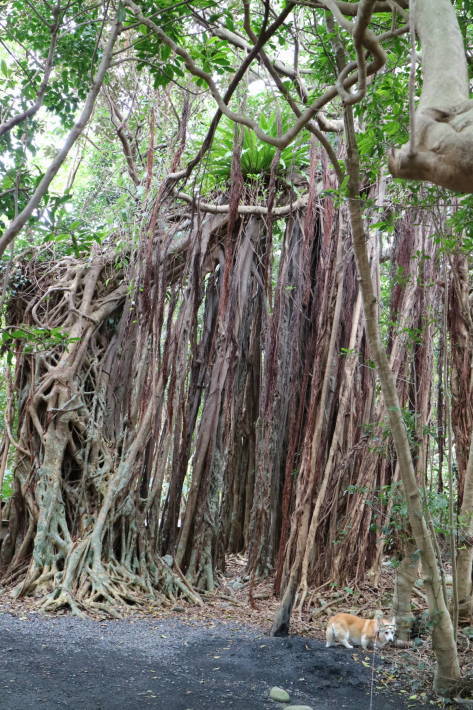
{"x": 204, "y": 658}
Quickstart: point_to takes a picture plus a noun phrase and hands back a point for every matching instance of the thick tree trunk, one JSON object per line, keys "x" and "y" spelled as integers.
{"x": 443, "y": 140}
{"x": 406, "y": 576}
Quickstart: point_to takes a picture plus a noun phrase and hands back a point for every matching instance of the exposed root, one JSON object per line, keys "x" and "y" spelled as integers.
{"x": 60, "y": 599}
{"x": 114, "y": 591}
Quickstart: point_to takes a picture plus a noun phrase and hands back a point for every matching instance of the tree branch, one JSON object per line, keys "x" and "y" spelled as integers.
{"x": 28, "y": 113}
{"x": 362, "y": 37}
{"x": 281, "y": 211}
{"x": 19, "y": 222}
{"x": 230, "y": 91}
{"x": 351, "y": 8}
{"x": 120, "y": 125}
{"x": 286, "y": 93}
{"x": 285, "y": 139}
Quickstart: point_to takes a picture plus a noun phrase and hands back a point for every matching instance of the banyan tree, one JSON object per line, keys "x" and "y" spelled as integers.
{"x": 161, "y": 407}
{"x": 248, "y": 364}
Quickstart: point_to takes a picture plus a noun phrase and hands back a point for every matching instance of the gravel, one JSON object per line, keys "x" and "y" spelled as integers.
{"x": 66, "y": 662}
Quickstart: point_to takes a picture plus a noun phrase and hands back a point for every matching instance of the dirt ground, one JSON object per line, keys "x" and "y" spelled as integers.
{"x": 218, "y": 655}
{"x": 66, "y": 662}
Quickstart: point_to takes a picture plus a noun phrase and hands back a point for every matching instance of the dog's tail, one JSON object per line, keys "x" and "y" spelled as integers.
{"x": 329, "y": 635}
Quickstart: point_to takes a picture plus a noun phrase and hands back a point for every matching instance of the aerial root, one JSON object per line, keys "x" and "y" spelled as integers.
{"x": 109, "y": 589}
{"x": 59, "y": 599}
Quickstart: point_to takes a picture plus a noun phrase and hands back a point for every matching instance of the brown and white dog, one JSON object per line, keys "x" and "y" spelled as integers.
{"x": 346, "y": 628}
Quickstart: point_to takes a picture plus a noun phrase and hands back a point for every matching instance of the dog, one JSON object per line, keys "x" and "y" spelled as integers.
{"x": 343, "y": 628}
